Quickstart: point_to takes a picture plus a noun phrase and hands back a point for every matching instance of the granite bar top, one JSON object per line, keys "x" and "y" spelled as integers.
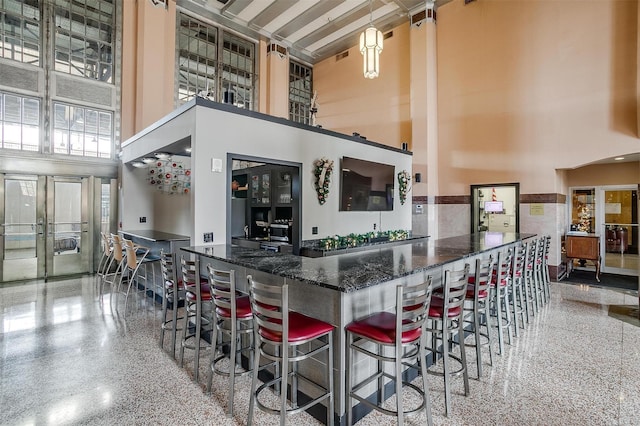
{"x": 353, "y": 271}
{"x": 152, "y": 235}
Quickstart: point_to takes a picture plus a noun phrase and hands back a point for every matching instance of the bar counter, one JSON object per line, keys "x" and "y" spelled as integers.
{"x": 338, "y": 289}
{"x": 350, "y": 272}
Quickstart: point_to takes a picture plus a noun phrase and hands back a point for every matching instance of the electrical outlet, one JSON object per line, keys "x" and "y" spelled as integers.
{"x": 207, "y": 237}
{"x": 374, "y": 226}
{"x": 143, "y": 219}
{"x": 314, "y": 230}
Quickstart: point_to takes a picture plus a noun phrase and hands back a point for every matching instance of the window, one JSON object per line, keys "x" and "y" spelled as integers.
{"x": 84, "y": 38}
{"x": 228, "y": 80}
{"x": 20, "y": 30}
{"x": 19, "y": 122}
{"x": 82, "y": 131}
{"x": 300, "y": 92}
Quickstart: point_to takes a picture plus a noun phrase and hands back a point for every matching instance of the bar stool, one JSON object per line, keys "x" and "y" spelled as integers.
{"x": 118, "y": 256}
{"x": 135, "y": 256}
{"x": 446, "y": 318}
{"x": 518, "y": 303}
{"x": 292, "y": 337}
{"x": 546, "y": 279}
{"x": 174, "y": 293}
{"x": 538, "y": 270}
{"x": 107, "y": 254}
{"x": 232, "y": 318}
{"x": 403, "y": 332}
{"x": 500, "y": 296}
{"x": 477, "y": 301}
{"x": 198, "y": 307}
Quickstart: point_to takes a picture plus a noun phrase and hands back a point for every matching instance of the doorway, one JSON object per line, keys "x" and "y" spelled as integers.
{"x": 495, "y": 207}
{"x": 48, "y": 225}
{"x": 619, "y": 225}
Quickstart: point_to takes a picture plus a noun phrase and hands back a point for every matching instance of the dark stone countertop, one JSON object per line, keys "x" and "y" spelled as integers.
{"x": 152, "y": 235}
{"x": 353, "y": 271}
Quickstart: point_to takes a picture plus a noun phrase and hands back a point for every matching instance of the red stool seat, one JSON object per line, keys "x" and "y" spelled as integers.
{"x": 243, "y": 308}
{"x": 381, "y": 327}
{"x": 301, "y": 327}
{"x": 482, "y": 294}
{"x": 436, "y": 308}
{"x": 205, "y": 293}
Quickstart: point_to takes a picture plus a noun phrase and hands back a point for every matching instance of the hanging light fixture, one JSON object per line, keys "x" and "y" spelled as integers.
{"x": 371, "y": 47}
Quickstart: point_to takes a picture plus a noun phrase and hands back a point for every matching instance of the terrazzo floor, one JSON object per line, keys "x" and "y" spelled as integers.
{"x": 70, "y": 357}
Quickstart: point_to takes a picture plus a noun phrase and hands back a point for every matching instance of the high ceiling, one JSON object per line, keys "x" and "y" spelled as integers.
{"x": 312, "y": 30}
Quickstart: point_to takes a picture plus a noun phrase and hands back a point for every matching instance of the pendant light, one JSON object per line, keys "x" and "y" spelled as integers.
{"x": 371, "y": 47}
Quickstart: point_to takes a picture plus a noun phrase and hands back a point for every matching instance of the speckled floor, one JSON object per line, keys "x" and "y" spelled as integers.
{"x": 69, "y": 357}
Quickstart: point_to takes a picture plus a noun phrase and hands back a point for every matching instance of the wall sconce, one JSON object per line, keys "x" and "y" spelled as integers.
{"x": 418, "y": 177}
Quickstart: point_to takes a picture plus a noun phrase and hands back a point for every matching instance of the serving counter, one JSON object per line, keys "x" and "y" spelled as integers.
{"x": 338, "y": 289}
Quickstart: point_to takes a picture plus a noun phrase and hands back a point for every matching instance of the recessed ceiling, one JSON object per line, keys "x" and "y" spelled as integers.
{"x": 312, "y": 30}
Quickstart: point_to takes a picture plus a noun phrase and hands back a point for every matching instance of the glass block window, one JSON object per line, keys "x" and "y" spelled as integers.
{"x": 300, "y": 92}
{"x": 84, "y": 33}
{"x": 19, "y": 122}
{"x": 82, "y": 131}
{"x": 20, "y": 30}
{"x": 197, "y": 54}
{"x": 214, "y": 64}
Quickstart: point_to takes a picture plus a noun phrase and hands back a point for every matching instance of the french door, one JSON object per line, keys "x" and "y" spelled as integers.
{"x": 617, "y": 221}
{"x": 47, "y": 224}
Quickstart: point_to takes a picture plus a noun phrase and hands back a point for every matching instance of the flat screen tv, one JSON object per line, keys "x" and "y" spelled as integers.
{"x": 493, "y": 207}
{"x": 366, "y": 186}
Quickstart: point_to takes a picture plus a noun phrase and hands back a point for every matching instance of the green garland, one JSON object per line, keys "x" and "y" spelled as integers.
{"x": 404, "y": 178}
{"x": 322, "y": 171}
{"x": 355, "y": 240}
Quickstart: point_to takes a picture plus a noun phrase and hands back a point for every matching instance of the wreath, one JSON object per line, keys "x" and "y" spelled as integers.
{"x": 322, "y": 172}
{"x": 404, "y": 178}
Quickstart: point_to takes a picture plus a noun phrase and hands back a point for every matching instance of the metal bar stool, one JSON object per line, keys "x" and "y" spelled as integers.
{"x": 282, "y": 337}
{"x": 477, "y": 301}
{"x": 446, "y": 318}
{"x": 402, "y": 331}
{"x": 546, "y": 279}
{"x": 538, "y": 270}
{"x": 531, "y": 297}
{"x": 518, "y": 303}
{"x": 119, "y": 256}
{"x": 174, "y": 293}
{"x": 500, "y": 296}
{"x": 135, "y": 256}
{"x": 233, "y": 318}
{"x": 107, "y": 255}
{"x": 198, "y": 307}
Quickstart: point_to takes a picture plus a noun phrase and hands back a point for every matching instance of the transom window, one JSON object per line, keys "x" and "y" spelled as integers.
{"x": 82, "y": 131}
{"x": 300, "y": 92}
{"x": 84, "y": 38}
{"x": 19, "y": 122}
{"x": 200, "y": 72}
{"x": 20, "y": 30}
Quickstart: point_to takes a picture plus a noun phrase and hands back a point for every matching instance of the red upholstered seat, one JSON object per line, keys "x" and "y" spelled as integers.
{"x": 471, "y": 279}
{"x": 482, "y": 294}
{"x": 205, "y": 292}
{"x": 437, "y": 306}
{"x": 381, "y": 327}
{"x": 243, "y": 308}
{"x": 301, "y": 327}
{"x": 503, "y": 283}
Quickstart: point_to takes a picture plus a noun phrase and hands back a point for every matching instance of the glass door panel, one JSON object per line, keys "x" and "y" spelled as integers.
{"x": 620, "y": 231}
{"x": 21, "y": 242}
{"x": 68, "y": 226}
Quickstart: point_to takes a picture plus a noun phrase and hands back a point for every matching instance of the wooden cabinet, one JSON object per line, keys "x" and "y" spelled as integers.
{"x": 583, "y": 247}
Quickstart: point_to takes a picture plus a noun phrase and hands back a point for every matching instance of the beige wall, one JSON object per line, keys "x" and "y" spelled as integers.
{"x": 526, "y": 87}
{"x": 148, "y": 64}
{"x": 605, "y": 174}
{"x": 378, "y": 109}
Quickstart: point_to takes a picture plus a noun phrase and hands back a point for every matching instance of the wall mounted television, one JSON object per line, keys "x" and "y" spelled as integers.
{"x": 366, "y": 185}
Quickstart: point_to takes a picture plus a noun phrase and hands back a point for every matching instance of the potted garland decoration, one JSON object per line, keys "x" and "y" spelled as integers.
{"x": 404, "y": 178}
{"x": 322, "y": 172}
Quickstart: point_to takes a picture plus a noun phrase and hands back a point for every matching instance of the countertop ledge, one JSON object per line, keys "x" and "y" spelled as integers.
{"x": 354, "y": 271}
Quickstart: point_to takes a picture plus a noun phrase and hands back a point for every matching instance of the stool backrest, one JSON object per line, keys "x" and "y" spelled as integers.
{"x": 168, "y": 266}
{"x": 190, "y": 271}
{"x": 540, "y": 251}
{"x": 135, "y": 254}
{"x": 412, "y": 303}
{"x": 482, "y": 276}
{"x": 502, "y": 269}
{"x": 519, "y": 261}
{"x": 270, "y": 307}
{"x": 455, "y": 289}
{"x": 117, "y": 247}
{"x": 223, "y": 288}
{"x": 106, "y": 244}
{"x": 532, "y": 247}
